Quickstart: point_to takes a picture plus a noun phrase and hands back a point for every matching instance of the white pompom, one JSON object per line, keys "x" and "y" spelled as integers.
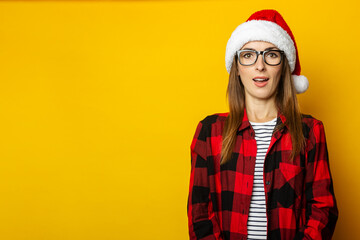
{"x": 301, "y": 83}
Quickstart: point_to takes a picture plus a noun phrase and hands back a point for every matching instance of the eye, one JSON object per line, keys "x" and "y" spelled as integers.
{"x": 247, "y": 55}
{"x": 273, "y": 54}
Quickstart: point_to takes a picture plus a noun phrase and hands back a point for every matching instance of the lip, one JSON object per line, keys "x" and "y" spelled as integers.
{"x": 261, "y": 84}
{"x": 261, "y": 77}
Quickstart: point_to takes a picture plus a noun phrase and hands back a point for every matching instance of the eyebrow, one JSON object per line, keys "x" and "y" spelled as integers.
{"x": 264, "y": 50}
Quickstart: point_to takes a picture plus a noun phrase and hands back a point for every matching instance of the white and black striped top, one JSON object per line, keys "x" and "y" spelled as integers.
{"x": 257, "y": 222}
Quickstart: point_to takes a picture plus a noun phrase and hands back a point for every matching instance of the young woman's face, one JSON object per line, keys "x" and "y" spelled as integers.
{"x": 256, "y": 90}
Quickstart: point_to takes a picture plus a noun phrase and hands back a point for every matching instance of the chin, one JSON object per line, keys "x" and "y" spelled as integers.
{"x": 263, "y": 95}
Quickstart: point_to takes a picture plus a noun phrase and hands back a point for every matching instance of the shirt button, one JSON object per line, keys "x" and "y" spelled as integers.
{"x": 267, "y": 183}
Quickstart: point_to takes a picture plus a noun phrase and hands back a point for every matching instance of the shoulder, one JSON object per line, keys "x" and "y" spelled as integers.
{"x": 215, "y": 118}
{"x": 310, "y": 121}
{"x": 211, "y": 125}
{"x": 313, "y": 128}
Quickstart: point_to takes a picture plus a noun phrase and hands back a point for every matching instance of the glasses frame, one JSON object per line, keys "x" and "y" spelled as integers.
{"x": 263, "y": 56}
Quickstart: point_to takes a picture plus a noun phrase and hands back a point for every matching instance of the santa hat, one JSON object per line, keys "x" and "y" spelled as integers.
{"x": 269, "y": 26}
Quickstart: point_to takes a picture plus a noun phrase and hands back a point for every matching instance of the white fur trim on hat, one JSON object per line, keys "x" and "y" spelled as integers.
{"x": 301, "y": 83}
{"x": 260, "y": 30}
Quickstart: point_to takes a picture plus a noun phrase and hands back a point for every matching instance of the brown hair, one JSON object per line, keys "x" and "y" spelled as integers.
{"x": 286, "y": 102}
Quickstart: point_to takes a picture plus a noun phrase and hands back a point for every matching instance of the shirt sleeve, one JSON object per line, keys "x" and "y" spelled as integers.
{"x": 321, "y": 208}
{"x": 201, "y": 218}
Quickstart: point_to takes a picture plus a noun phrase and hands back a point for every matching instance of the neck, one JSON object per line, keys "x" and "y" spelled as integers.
{"x": 261, "y": 111}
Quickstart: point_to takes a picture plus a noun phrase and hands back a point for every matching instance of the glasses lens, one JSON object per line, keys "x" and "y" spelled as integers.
{"x": 247, "y": 57}
{"x": 273, "y": 57}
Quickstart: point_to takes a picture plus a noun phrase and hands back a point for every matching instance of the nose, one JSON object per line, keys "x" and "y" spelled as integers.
{"x": 260, "y": 64}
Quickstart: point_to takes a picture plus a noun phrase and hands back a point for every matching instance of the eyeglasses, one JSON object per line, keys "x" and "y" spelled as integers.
{"x": 270, "y": 57}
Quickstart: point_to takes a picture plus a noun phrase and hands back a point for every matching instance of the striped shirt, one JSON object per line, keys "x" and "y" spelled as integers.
{"x": 257, "y": 221}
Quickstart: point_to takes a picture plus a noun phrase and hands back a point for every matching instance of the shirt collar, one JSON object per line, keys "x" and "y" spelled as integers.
{"x": 245, "y": 122}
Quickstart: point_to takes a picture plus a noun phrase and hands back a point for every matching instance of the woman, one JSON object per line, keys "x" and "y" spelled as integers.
{"x": 261, "y": 171}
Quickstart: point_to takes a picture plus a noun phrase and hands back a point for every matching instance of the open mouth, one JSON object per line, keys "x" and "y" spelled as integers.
{"x": 261, "y": 79}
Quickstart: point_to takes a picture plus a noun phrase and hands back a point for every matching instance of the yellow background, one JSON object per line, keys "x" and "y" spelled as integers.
{"x": 99, "y": 102}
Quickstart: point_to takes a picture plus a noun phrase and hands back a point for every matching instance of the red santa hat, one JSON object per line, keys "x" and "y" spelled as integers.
{"x": 269, "y": 26}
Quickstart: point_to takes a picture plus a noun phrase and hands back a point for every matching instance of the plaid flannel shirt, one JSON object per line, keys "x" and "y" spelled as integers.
{"x": 300, "y": 199}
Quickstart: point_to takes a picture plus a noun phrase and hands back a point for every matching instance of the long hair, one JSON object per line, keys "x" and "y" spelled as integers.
{"x": 285, "y": 100}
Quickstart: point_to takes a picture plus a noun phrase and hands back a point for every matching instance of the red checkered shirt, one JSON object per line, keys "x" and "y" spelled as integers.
{"x": 300, "y": 198}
